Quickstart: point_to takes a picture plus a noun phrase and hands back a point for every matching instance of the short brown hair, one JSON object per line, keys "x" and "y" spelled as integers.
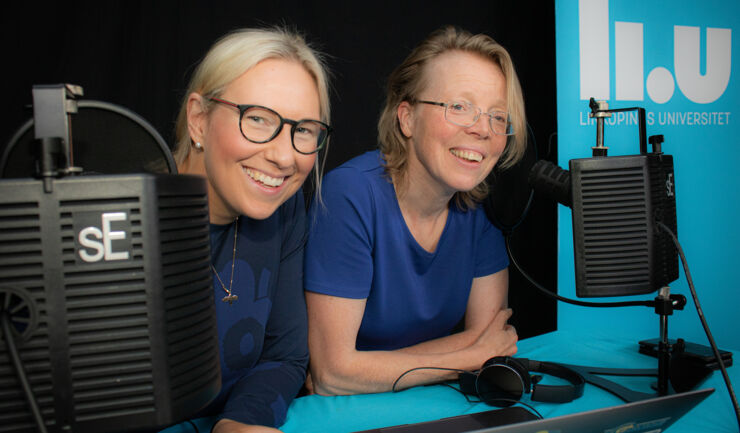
{"x": 406, "y": 82}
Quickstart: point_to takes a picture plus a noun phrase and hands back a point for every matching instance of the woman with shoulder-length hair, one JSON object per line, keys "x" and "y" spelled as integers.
{"x": 253, "y": 121}
{"x": 401, "y": 254}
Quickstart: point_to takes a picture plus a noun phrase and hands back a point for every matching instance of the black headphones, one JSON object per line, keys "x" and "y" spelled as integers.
{"x": 502, "y": 380}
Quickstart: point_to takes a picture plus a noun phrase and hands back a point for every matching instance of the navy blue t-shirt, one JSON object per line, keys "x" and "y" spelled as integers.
{"x": 263, "y": 334}
{"x": 360, "y": 247}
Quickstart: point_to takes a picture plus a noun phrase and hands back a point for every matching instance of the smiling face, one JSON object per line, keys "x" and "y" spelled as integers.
{"x": 445, "y": 158}
{"x": 246, "y": 178}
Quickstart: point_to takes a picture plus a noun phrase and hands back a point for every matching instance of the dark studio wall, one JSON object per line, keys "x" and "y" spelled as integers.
{"x": 140, "y": 55}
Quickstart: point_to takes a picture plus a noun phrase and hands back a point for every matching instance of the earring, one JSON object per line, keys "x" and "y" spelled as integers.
{"x": 198, "y": 146}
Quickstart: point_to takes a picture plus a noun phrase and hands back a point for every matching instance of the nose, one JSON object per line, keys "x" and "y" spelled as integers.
{"x": 279, "y": 150}
{"x": 480, "y": 127}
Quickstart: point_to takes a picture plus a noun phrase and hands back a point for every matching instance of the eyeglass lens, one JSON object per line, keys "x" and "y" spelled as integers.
{"x": 466, "y": 114}
{"x": 259, "y": 124}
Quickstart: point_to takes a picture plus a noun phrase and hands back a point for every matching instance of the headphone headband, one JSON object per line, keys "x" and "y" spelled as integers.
{"x": 555, "y": 393}
{"x": 516, "y": 371}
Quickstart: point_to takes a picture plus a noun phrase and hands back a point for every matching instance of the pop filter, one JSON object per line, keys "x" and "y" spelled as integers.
{"x": 510, "y": 195}
{"x": 106, "y": 298}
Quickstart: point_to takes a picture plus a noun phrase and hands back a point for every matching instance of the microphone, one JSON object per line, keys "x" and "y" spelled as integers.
{"x": 616, "y": 202}
{"x": 546, "y": 177}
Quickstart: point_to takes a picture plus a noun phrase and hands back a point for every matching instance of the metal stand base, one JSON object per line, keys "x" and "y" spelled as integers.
{"x": 665, "y": 303}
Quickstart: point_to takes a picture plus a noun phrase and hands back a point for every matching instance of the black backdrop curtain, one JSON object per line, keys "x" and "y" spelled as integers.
{"x": 140, "y": 54}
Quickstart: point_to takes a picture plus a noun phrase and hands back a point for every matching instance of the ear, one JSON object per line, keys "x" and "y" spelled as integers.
{"x": 405, "y": 115}
{"x": 197, "y": 117}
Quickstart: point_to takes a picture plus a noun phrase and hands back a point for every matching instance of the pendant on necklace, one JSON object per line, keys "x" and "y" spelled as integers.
{"x": 229, "y": 298}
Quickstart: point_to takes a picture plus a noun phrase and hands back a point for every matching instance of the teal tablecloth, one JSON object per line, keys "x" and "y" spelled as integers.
{"x": 360, "y": 412}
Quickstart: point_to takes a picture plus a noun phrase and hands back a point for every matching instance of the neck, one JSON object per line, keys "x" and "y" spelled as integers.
{"x": 425, "y": 217}
{"x": 222, "y": 217}
{"x": 417, "y": 203}
{"x": 420, "y": 194}
{"x": 221, "y": 220}
{"x": 218, "y": 211}
{"x": 192, "y": 164}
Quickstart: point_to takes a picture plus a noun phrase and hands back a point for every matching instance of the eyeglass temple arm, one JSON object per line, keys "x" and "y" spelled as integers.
{"x": 222, "y": 101}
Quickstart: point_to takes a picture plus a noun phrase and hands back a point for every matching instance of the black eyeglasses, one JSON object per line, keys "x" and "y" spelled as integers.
{"x": 260, "y": 124}
{"x": 465, "y": 114}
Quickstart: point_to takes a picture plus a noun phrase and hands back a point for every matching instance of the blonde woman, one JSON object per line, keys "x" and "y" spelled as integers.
{"x": 253, "y": 121}
{"x": 401, "y": 254}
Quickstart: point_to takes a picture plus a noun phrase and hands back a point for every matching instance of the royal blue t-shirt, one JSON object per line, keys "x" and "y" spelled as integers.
{"x": 360, "y": 247}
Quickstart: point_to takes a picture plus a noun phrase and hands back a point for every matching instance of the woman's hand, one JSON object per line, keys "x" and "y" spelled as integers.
{"x": 498, "y": 338}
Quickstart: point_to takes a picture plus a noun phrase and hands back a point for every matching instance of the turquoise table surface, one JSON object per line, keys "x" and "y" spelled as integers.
{"x": 341, "y": 414}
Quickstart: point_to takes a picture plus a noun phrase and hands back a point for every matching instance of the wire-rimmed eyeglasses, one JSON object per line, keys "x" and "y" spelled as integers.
{"x": 465, "y": 114}
{"x": 260, "y": 124}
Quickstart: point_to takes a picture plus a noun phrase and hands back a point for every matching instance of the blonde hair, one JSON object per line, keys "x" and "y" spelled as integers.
{"x": 239, "y": 51}
{"x": 407, "y": 81}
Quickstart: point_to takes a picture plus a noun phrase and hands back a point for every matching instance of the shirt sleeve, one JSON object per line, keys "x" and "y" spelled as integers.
{"x": 339, "y": 259}
{"x": 491, "y": 256}
{"x": 263, "y": 395}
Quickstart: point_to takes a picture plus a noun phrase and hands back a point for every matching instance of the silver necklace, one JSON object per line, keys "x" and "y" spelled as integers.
{"x": 230, "y": 298}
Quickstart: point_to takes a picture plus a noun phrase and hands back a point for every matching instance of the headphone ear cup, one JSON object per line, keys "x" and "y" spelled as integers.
{"x": 522, "y": 368}
{"x": 467, "y": 380}
{"x": 520, "y": 365}
{"x": 500, "y": 384}
{"x": 495, "y": 360}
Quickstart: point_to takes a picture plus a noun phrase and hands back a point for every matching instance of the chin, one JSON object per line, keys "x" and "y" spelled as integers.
{"x": 259, "y": 214}
{"x": 465, "y": 185}
{"x": 258, "y": 205}
{"x": 262, "y": 209}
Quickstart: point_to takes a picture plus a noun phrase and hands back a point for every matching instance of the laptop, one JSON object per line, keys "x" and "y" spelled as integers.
{"x": 651, "y": 415}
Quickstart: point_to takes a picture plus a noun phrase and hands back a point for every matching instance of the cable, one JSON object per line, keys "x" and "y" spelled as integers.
{"x": 13, "y": 352}
{"x": 457, "y": 370}
{"x": 704, "y": 324}
{"x": 549, "y": 153}
{"x": 690, "y": 281}
{"x": 192, "y": 424}
{"x": 568, "y": 300}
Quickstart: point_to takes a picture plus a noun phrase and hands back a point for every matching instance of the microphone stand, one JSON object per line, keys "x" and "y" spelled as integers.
{"x": 664, "y": 305}
{"x": 558, "y": 183}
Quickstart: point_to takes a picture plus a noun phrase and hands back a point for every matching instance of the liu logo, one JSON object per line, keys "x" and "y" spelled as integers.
{"x": 630, "y": 81}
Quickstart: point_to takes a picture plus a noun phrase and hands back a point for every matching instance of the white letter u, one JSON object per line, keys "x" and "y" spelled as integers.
{"x": 702, "y": 89}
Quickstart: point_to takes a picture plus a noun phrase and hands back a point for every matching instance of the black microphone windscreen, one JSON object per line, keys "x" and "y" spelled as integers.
{"x": 552, "y": 180}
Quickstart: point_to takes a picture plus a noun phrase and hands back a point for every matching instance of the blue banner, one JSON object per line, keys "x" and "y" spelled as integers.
{"x": 673, "y": 58}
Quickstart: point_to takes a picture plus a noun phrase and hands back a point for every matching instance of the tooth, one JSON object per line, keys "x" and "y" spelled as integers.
{"x": 467, "y": 154}
{"x": 263, "y": 178}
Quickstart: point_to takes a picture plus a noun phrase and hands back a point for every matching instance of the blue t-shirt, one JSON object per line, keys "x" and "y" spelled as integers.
{"x": 360, "y": 247}
{"x": 263, "y": 334}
